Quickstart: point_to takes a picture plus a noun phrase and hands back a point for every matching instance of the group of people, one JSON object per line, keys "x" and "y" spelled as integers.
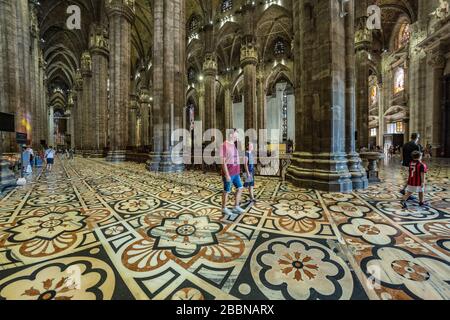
{"x": 231, "y": 172}
{"x": 28, "y": 159}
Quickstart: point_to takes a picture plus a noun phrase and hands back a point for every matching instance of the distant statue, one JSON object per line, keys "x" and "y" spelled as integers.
{"x": 442, "y": 11}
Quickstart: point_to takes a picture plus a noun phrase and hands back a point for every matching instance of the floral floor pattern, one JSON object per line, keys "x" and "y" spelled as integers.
{"x": 95, "y": 230}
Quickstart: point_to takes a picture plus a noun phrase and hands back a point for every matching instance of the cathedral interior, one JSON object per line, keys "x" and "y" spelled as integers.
{"x": 328, "y": 90}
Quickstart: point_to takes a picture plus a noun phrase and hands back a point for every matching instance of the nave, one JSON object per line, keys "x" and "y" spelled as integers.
{"x": 127, "y": 233}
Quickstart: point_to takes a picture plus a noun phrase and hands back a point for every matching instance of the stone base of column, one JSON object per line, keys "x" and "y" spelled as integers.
{"x": 359, "y": 174}
{"x": 162, "y": 162}
{"x": 87, "y": 153}
{"x": 322, "y": 172}
{"x": 116, "y": 156}
{"x": 7, "y": 177}
{"x": 96, "y": 154}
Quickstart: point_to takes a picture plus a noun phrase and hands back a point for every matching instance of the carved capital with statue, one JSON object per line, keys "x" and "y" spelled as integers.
{"x": 98, "y": 40}
{"x": 210, "y": 65}
{"x": 86, "y": 64}
{"x": 249, "y": 54}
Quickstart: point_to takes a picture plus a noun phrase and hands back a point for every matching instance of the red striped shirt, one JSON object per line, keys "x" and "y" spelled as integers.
{"x": 416, "y": 168}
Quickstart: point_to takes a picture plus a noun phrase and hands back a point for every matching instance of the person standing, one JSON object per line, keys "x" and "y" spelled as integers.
{"x": 26, "y": 161}
{"x": 249, "y": 165}
{"x": 408, "y": 150}
{"x": 416, "y": 179}
{"x": 231, "y": 173}
{"x": 50, "y": 158}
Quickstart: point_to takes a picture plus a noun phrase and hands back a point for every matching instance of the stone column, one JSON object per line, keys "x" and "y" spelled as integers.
{"x": 71, "y": 120}
{"x": 320, "y": 160}
{"x": 363, "y": 43}
{"x": 121, "y": 14}
{"x": 42, "y": 94}
{"x": 132, "y": 121}
{"x": 210, "y": 73}
{"x": 86, "y": 103}
{"x": 79, "y": 112}
{"x": 201, "y": 103}
{"x": 23, "y": 41}
{"x": 51, "y": 126}
{"x": 34, "y": 76}
{"x": 99, "y": 119}
{"x": 145, "y": 102}
{"x": 262, "y": 107}
{"x": 9, "y": 78}
{"x": 168, "y": 80}
{"x": 228, "y": 104}
{"x": 438, "y": 62}
{"x": 249, "y": 60}
{"x": 355, "y": 165}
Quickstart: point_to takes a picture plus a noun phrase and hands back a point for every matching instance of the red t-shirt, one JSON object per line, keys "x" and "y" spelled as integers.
{"x": 416, "y": 168}
{"x": 230, "y": 153}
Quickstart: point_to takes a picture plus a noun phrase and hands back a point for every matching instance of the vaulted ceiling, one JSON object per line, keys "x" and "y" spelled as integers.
{"x": 62, "y": 47}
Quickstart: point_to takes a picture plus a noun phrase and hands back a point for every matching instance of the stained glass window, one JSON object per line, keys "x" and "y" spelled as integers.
{"x": 280, "y": 47}
{"x": 284, "y": 117}
{"x": 193, "y": 24}
{"x": 399, "y": 81}
{"x": 227, "y": 5}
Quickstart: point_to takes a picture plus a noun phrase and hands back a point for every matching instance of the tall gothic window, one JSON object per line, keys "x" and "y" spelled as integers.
{"x": 193, "y": 24}
{"x": 403, "y": 36}
{"x": 192, "y": 75}
{"x": 280, "y": 47}
{"x": 227, "y": 5}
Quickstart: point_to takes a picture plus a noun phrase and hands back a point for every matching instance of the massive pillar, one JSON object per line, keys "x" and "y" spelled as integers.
{"x": 99, "y": 108}
{"x": 34, "y": 77}
{"x": 121, "y": 14}
{"x": 355, "y": 165}
{"x": 23, "y": 111}
{"x": 262, "y": 107}
{"x": 168, "y": 80}
{"x": 78, "y": 109}
{"x": 437, "y": 61}
{"x": 320, "y": 160}
{"x": 132, "y": 122}
{"x": 228, "y": 104}
{"x": 249, "y": 60}
{"x": 145, "y": 107}
{"x": 363, "y": 42}
{"x": 9, "y": 77}
{"x": 210, "y": 73}
{"x": 86, "y": 103}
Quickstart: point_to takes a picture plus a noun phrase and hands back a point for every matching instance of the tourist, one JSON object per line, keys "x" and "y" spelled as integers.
{"x": 249, "y": 166}
{"x": 26, "y": 161}
{"x": 231, "y": 173}
{"x": 416, "y": 179}
{"x": 50, "y": 158}
{"x": 408, "y": 149}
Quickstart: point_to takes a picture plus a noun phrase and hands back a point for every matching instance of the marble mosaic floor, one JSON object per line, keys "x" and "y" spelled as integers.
{"x": 94, "y": 230}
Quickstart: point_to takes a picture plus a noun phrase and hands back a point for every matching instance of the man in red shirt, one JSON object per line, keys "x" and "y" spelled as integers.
{"x": 231, "y": 173}
{"x": 416, "y": 179}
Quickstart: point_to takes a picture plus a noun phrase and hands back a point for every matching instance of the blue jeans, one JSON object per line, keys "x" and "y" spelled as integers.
{"x": 235, "y": 180}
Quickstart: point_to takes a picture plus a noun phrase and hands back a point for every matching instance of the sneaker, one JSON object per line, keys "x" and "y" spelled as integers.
{"x": 423, "y": 204}
{"x": 227, "y": 212}
{"x": 239, "y": 210}
{"x": 403, "y": 192}
{"x": 404, "y": 205}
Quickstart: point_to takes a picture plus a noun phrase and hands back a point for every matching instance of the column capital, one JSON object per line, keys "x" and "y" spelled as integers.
{"x": 249, "y": 55}
{"x": 86, "y": 64}
{"x": 124, "y": 8}
{"x": 437, "y": 60}
{"x": 134, "y": 105}
{"x": 145, "y": 96}
{"x": 98, "y": 41}
{"x": 78, "y": 80}
{"x": 34, "y": 24}
{"x": 210, "y": 64}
